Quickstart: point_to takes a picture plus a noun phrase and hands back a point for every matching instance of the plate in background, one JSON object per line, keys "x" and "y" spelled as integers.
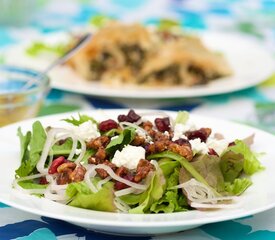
{"x": 250, "y": 61}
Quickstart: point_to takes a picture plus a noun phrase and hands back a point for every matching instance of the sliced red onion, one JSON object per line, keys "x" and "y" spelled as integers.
{"x": 127, "y": 191}
{"x": 102, "y": 182}
{"x": 83, "y": 151}
{"x": 121, "y": 206}
{"x": 52, "y": 139}
{"x": 55, "y": 187}
{"x": 55, "y": 196}
{"x": 74, "y": 146}
{"x": 28, "y": 191}
{"x": 87, "y": 178}
{"x": 40, "y": 166}
{"x": 199, "y": 193}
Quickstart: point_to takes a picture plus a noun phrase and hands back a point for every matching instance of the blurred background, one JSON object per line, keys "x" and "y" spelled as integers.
{"x": 24, "y": 20}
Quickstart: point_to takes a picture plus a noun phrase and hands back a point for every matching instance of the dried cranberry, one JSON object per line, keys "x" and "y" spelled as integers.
{"x": 43, "y": 181}
{"x": 119, "y": 185}
{"x": 55, "y": 164}
{"x": 162, "y": 124}
{"x": 122, "y": 118}
{"x": 182, "y": 141}
{"x": 107, "y": 125}
{"x": 130, "y": 117}
{"x": 202, "y": 133}
{"x": 231, "y": 144}
{"x": 211, "y": 151}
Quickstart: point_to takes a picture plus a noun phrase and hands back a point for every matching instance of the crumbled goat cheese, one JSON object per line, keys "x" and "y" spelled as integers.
{"x": 218, "y": 145}
{"x": 86, "y": 130}
{"x": 144, "y": 135}
{"x": 166, "y": 133}
{"x": 198, "y": 146}
{"x": 114, "y": 137}
{"x": 78, "y": 151}
{"x": 129, "y": 156}
{"x": 180, "y": 129}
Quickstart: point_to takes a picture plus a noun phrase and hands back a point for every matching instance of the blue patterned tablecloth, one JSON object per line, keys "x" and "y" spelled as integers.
{"x": 254, "y": 106}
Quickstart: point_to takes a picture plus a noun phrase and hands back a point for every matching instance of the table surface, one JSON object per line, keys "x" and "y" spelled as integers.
{"x": 254, "y": 106}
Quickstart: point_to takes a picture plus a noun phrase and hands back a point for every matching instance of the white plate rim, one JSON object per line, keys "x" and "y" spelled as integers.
{"x": 126, "y": 222}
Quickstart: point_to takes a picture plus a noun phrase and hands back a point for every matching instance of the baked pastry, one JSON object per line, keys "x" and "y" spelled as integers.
{"x": 136, "y": 55}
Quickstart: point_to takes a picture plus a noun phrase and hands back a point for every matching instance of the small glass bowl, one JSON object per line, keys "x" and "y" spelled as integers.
{"x": 21, "y": 93}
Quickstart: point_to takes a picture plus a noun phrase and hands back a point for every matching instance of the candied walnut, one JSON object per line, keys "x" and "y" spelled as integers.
{"x": 78, "y": 174}
{"x": 102, "y": 173}
{"x": 183, "y": 150}
{"x": 138, "y": 141}
{"x": 101, "y": 154}
{"x": 202, "y": 133}
{"x": 64, "y": 171}
{"x": 162, "y": 136}
{"x": 158, "y": 146}
{"x": 66, "y": 167}
{"x": 93, "y": 160}
{"x": 98, "y": 142}
{"x": 148, "y": 127}
{"x": 63, "y": 178}
{"x": 122, "y": 171}
{"x": 143, "y": 168}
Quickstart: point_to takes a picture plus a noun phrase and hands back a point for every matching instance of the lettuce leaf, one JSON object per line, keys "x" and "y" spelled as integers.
{"x": 152, "y": 194}
{"x": 112, "y": 132}
{"x": 31, "y": 185}
{"x": 63, "y": 149}
{"x": 168, "y": 24}
{"x": 131, "y": 199}
{"x": 36, "y": 144}
{"x": 81, "y": 119}
{"x": 238, "y": 186}
{"x": 39, "y": 47}
{"x": 24, "y": 143}
{"x": 182, "y": 117}
{"x": 184, "y": 163}
{"x": 231, "y": 165}
{"x": 172, "y": 200}
{"x": 238, "y": 159}
{"x": 209, "y": 168}
{"x": 82, "y": 197}
{"x": 122, "y": 140}
{"x": 100, "y": 20}
{"x": 167, "y": 166}
{"x": 251, "y": 163}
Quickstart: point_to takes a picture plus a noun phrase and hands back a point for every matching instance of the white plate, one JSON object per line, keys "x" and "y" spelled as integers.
{"x": 250, "y": 61}
{"x": 259, "y": 197}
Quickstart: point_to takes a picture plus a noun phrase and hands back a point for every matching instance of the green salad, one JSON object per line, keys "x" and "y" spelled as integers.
{"x": 136, "y": 163}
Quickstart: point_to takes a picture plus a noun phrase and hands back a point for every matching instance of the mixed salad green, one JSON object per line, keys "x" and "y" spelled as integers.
{"x": 137, "y": 163}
